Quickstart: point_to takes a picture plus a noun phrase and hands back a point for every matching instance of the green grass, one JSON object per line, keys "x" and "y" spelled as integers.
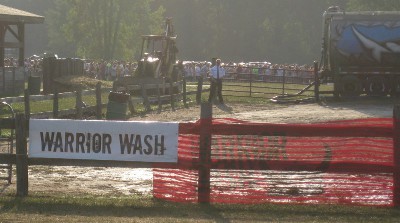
{"x": 47, "y": 105}
{"x": 57, "y": 208}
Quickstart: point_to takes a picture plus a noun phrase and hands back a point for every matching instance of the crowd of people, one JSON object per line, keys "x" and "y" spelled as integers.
{"x": 110, "y": 70}
{"x": 235, "y": 70}
{"x": 31, "y": 65}
{"x": 99, "y": 69}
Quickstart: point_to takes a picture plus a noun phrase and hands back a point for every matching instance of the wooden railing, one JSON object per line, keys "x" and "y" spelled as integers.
{"x": 80, "y": 107}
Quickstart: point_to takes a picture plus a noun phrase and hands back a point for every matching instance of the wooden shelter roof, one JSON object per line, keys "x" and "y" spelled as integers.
{"x": 12, "y": 15}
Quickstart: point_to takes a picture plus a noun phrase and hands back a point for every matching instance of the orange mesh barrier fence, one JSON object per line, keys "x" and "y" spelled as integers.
{"x": 340, "y": 162}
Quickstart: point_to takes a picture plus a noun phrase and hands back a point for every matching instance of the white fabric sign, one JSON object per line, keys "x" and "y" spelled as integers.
{"x": 104, "y": 140}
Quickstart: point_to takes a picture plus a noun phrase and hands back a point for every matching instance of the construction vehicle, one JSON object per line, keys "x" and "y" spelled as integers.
{"x": 361, "y": 52}
{"x": 157, "y": 64}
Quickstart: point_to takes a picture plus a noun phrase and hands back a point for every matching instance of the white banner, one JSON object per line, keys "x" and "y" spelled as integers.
{"x": 104, "y": 140}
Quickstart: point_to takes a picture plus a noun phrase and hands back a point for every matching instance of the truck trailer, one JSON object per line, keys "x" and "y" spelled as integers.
{"x": 361, "y": 52}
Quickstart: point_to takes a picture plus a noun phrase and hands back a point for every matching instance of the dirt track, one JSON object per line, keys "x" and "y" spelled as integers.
{"x": 118, "y": 181}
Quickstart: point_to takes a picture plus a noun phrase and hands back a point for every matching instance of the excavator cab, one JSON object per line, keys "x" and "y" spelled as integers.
{"x": 157, "y": 63}
{"x": 158, "y": 54}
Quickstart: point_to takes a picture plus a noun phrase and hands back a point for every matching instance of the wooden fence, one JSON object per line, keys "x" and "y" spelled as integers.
{"x": 257, "y": 85}
{"x": 12, "y": 80}
{"x": 81, "y": 107}
{"x": 204, "y": 129}
{"x": 243, "y": 88}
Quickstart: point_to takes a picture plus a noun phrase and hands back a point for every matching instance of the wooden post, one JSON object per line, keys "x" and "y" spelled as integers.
{"x": 184, "y": 92}
{"x": 283, "y": 81}
{"x": 55, "y": 104}
{"x": 21, "y": 156}
{"x": 145, "y": 98}
{"x": 4, "y": 70}
{"x": 21, "y": 39}
{"x": 3, "y": 31}
{"x": 159, "y": 98}
{"x": 203, "y": 195}
{"x": 13, "y": 79}
{"x": 78, "y": 104}
{"x": 163, "y": 85}
{"x": 251, "y": 82}
{"x": 396, "y": 156}
{"x": 316, "y": 86}
{"x": 131, "y": 106}
{"x": 171, "y": 93}
{"x": 199, "y": 89}
{"x": 98, "y": 101}
{"x": 27, "y": 104}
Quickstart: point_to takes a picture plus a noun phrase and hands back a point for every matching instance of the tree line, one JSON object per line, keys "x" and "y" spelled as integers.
{"x": 280, "y": 31}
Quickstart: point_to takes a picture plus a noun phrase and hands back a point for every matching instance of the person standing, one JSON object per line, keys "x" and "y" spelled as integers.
{"x": 216, "y": 74}
{"x": 108, "y": 70}
{"x": 114, "y": 71}
{"x": 102, "y": 70}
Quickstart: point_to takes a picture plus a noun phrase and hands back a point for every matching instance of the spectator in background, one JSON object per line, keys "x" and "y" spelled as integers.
{"x": 126, "y": 70}
{"x": 216, "y": 74}
{"x": 279, "y": 70}
{"x": 102, "y": 70}
{"x": 108, "y": 70}
{"x": 114, "y": 71}
{"x": 26, "y": 68}
{"x": 205, "y": 69}
{"x": 120, "y": 69}
{"x": 197, "y": 69}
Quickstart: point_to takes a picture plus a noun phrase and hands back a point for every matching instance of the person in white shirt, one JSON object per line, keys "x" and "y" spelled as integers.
{"x": 216, "y": 74}
{"x": 197, "y": 70}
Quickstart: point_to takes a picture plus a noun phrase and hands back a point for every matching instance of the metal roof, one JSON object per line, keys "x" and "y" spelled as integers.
{"x": 12, "y": 15}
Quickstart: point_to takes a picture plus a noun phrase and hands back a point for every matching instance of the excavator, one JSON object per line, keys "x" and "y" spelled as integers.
{"x": 157, "y": 65}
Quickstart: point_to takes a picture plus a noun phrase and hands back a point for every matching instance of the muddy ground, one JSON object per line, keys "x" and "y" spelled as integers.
{"x": 125, "y": 181}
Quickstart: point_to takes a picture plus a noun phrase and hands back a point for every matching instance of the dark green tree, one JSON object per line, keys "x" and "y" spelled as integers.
{"x": 104, "y": 29}
{"x": 235, "y": 30}
{"x": 281, "y": 31}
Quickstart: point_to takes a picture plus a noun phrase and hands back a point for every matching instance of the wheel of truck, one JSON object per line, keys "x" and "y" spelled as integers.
{"x": 376, "y": 86}
{"x": 350, "y": 86}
